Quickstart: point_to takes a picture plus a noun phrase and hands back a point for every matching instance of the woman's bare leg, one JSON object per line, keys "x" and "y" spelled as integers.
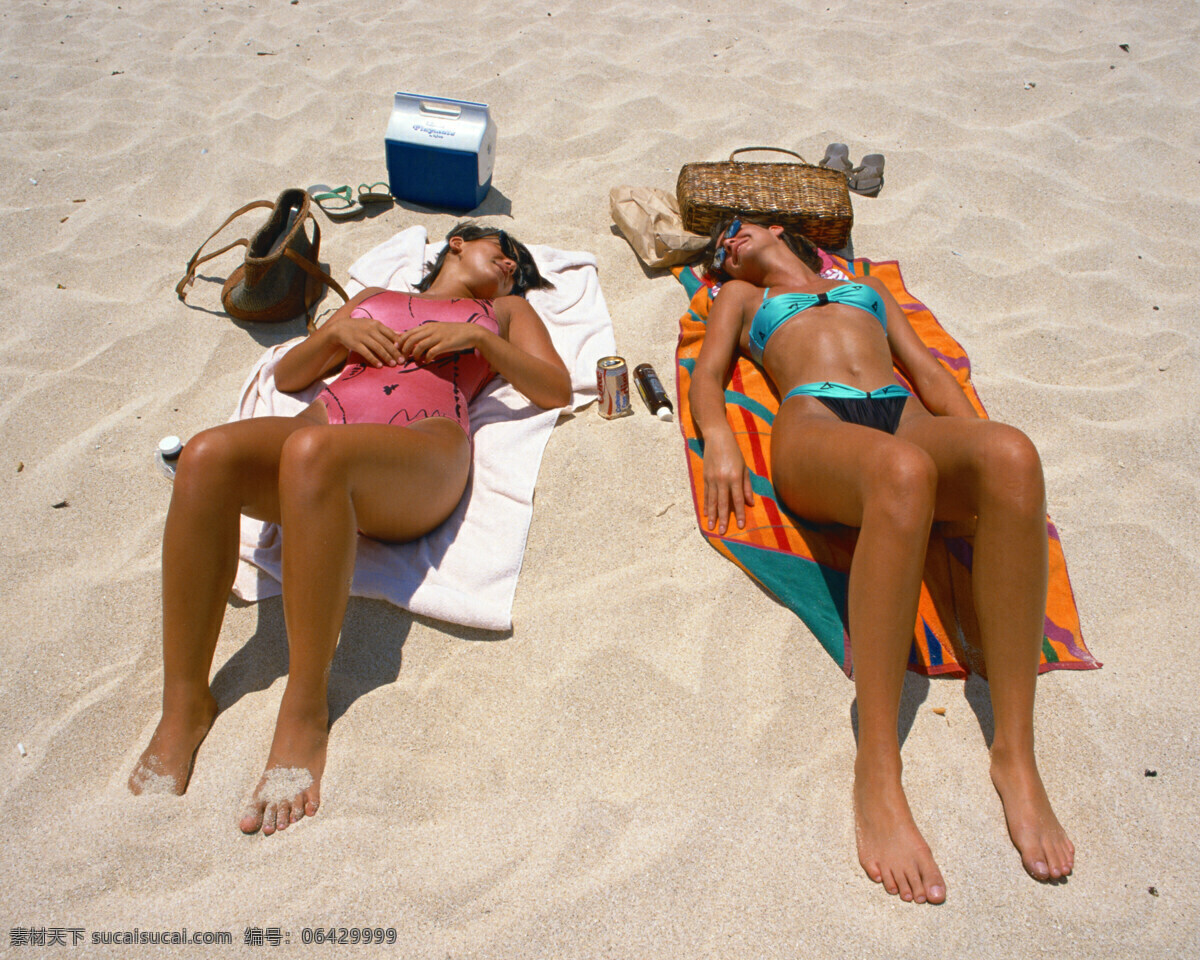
{"x": 392, "y": 483}
{"x": 992, "y": 471}
{"x": 222, "y": 473}
{"x": 829, "y": 471}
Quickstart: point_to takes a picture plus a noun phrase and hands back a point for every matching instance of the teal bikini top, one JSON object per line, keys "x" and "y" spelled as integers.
{"x": 776, "y": 311}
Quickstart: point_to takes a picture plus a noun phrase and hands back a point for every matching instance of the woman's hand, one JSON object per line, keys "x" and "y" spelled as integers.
{"x": 430, "y": 341}
{"x": 726, "y": 479}
{"x": 366, "y": 336}
{"x": 327, "y": 347}
{"x": 726, "y": 483}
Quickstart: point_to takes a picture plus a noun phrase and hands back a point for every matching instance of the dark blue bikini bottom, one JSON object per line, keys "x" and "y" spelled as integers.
{"x": 880, "y": 409}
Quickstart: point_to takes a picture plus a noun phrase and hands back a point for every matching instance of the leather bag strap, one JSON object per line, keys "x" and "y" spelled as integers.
{"x": 313, "y": 270}
{"x": 190, "y": 275}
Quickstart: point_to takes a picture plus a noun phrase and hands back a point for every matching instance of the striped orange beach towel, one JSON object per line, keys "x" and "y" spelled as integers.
{"x": 807, "y": 567}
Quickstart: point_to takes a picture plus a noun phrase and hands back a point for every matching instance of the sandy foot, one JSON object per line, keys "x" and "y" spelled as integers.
{"x": 1046, "y": 851}
{"x": 890, "y": 847}
{"x": 290, "y": 788}
{"x": 165, "y": 766}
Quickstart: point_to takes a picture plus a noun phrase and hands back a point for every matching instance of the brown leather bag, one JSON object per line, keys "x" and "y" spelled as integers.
{"x": 281, "y": 276}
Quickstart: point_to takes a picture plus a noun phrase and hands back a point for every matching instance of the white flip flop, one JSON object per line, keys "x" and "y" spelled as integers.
{"x": 337, "y": 202}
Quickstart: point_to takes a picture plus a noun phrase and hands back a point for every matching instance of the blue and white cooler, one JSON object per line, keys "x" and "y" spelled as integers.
{"x": 440, "y": 152}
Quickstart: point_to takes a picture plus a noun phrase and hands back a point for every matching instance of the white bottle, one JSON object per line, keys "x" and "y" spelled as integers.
{"x": 167, "y": 455}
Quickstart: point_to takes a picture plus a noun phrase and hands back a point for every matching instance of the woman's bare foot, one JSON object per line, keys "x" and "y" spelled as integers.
{"x": 290, "y": 787}
{"x": 890, "y": 847}
{"x": 1046, "y": 851}
{"x": 165, "y": 766}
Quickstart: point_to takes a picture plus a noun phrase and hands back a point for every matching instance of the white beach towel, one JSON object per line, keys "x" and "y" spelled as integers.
{"x": 466, "y": 570}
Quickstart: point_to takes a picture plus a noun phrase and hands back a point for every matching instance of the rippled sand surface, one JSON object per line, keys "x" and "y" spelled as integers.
{"x": 657, "y": 760}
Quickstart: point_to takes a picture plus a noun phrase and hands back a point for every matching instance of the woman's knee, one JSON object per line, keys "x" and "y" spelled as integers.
{"x": 1010, "y": 472}
{"x": 902, "y": 486}
{"x": 309, "y": 462}
{"x": 208, "y": 459}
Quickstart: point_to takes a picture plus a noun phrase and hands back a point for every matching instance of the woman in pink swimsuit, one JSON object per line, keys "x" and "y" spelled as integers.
{"x": 384, "y": 450}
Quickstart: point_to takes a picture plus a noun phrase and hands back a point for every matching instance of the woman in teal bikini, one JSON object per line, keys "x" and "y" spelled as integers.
{"x": 851, "y": 446}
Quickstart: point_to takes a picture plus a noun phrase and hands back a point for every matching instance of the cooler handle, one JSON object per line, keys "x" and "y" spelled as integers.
{"x": 440, "y": 109}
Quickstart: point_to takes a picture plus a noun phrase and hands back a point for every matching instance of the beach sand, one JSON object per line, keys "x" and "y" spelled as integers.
{"x": 657, "y": 760}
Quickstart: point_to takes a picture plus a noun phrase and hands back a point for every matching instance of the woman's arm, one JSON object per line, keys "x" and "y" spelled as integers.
{"x": 328, "y": 346}
{"x": 935, "y": 385}
{"x": 525, "y": 357}
{"x": 726, "y": 477}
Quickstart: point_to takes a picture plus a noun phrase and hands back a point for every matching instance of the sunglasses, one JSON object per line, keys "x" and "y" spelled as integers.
{"x": 507, "y": 246}
{"x": 719, "y": 256}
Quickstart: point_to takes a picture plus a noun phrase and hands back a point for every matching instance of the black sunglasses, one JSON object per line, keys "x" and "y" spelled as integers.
{"x": 507, "y": 246}
{"x": 719, "y": 256}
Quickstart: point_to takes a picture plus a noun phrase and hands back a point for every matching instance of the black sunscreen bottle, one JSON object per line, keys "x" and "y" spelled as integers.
{"x": 651, "y": 389}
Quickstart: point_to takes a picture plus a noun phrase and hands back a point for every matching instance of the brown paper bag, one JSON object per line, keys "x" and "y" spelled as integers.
{"x": 650, "y": 220}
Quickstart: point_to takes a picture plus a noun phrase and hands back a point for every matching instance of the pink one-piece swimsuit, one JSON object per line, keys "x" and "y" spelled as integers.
{"x": 412, "y": 391}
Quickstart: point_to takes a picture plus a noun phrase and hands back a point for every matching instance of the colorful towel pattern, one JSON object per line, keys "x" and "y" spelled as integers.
{"x": 807, "y": 567}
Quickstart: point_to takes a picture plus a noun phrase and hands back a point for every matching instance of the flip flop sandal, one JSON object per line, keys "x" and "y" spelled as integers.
{"x": 367, "y": 193}
{"x": 867, "y": 179}
{"x": 337, "y": 202}
{"x": 837, "y": 157}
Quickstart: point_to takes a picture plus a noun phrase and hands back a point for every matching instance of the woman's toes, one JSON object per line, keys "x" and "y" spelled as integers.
{"x": 252, "y": 819}
{"x": 889, "y": 883}
{"x": 1060, "y": 865}
{"x": 871, "y": 867}
{"x": 932, "y": 884}
{"x": 1050, "y": 861}
{"x": 1067, "y": 858}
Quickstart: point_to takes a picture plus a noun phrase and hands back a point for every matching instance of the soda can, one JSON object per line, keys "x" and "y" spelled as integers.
{"x": 612, "y": 382}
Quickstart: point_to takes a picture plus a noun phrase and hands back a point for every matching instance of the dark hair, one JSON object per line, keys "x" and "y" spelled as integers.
{"x": 799, "y": 244}
{"x": 525, "y": 277}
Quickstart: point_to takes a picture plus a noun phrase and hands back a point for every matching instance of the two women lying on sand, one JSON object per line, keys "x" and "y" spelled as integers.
{"x": 849, "y": 446}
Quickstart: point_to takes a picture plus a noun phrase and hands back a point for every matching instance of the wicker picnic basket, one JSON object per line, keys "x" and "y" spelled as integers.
{"x": 813, "y": 200}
